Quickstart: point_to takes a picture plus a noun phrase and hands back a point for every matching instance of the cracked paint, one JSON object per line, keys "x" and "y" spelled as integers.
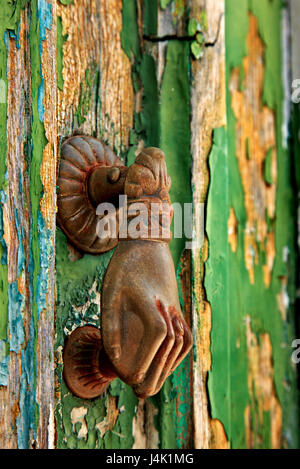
{"x": 255, "y": 146}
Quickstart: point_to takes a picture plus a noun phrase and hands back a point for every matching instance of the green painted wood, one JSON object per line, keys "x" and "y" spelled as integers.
{"x": 246, "y": 318}
{"x": 27, "y": 237}
{"x": 233, "y": 298}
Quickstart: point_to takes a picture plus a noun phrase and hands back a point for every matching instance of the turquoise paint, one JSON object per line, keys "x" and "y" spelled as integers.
{"x": 15, "y": 317}
{"x": 41, "y": 94}
{"x": 39, "y": 254}
{"x": 46, "y": 255}
{"x": 26, "y": 419}
{"x": 4, "y": 361}
{"x": 21, "y": 255}
{"x": 2, "y": 240}
{"x": 44, "y": 13}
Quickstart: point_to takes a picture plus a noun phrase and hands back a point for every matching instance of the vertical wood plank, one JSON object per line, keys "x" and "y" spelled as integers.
{"x": 208, "y": 113}
{"x": 29, "y": 209}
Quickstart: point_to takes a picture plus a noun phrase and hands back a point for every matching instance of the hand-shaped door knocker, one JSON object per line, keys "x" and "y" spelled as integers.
{"x": 143, "y": 334}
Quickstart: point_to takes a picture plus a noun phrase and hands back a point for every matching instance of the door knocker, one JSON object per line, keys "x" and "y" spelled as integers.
{"x": 144, "y": 335}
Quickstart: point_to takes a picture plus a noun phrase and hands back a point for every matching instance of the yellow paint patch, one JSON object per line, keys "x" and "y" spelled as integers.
{"x": 255, "y": 131}
{"x": 262, "y": 391}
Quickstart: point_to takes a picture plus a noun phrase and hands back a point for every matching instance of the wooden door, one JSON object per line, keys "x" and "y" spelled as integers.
{"x": 206, "y": 81}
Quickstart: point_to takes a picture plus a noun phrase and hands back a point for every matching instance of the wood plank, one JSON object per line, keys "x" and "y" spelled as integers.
{"x": 27, "y": 392}
{"x": 208, "y": 113}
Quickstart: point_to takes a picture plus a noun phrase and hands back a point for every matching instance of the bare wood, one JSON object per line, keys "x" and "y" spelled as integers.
{"x": 208, "y": 113}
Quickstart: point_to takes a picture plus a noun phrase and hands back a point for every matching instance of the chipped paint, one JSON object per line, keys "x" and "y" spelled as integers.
{"x": 110, "y": 419}
{"x": 232, "y": 226}
{"x": 208, "y": 113}
{"x": 283, "y": 300}
{"x": 26, "y": 287}
{"x": 78, "y": 416}
{"x": 116, "y": 89}
{"x": 80, "y": 48}
{"x": 227, "y": 280}
{"x": 262, "y": 393}
{"x": 256, "y": 137}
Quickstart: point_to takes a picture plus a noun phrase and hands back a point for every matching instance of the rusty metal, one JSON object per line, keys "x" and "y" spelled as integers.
{"x": 79, "y": 193}
{"x": 144, "y": 333}
{"x": 87, "y": 371}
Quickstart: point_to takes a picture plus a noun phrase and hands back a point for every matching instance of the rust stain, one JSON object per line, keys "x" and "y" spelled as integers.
{"x": 261, "y": 389}
{"x": 255, "y": 131}
{"x": 117, "y": 96}
{"x": 232, "y": 225}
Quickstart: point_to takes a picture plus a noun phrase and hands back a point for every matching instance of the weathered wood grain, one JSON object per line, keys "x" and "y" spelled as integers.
{"x": 208, "y": 113}
{"x": 29, "y": 210}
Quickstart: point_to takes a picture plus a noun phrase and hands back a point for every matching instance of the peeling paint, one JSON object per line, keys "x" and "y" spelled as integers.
{"x": 78, "y": 416}
{"x": 232, "y": 226}
{"x": 262, "y": 392}
{"x": 255, "y": 131}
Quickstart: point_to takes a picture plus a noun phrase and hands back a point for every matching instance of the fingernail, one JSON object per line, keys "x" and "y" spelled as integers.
{"x": 139, "y": 377}
{"x": 115, "y": 352}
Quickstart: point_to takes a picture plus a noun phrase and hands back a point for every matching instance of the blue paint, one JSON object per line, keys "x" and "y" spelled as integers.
{"x": 4, "y": 361}
{"x": 44, "y": 11}
{"x": 26, "y": 418}
{"x": 2, "y": 240}
{"x": 15, "y": 317}
{"x": 41, "y": 94}
{"x": 16, "y": 35}
{"x": 21, "y": 255}
{"x": 16, "y": 300}
{"x": 46, "y": 254}
{"x": 6, "y": 39}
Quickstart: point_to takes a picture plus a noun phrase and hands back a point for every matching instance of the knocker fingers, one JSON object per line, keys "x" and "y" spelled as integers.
{"x": 187, "y": 344}
{"x": 149, "y": 385}
{"x": 174, "y": 353}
